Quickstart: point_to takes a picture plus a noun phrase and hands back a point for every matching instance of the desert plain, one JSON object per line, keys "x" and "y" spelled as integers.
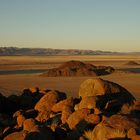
{"x": 19, "y": 72}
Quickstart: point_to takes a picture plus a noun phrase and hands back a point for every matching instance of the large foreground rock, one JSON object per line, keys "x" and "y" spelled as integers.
{"x": 104, "y": 94}
{"x": 66, "y": 112}
{"x": 62, "y": 104}
{"x": 16, "y": 136}
{"x": 98, "y": 87}
{"x": 77, "y": 119}
{"x": 88, "y": 102}
{"x": 45, "y": 104}
{"x": 47, "y": 101}
{"x": 30, "y": 125}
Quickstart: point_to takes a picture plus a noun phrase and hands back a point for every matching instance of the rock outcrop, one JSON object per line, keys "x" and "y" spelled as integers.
{"x": 132, "y": 63}
{"x": 105, "y": 95}
{"x": 16, "y": 136}
{"x": 59, "y": 107}
{"x": 47, "y": 101}
{"x": 77, "y": 68}
{"x": 45, "y": 104}
{"x": 77, "y": 119}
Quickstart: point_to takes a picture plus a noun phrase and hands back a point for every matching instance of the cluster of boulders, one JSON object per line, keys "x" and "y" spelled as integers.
{"x": 103, "y": 111}
{"x": 78, "y": 68}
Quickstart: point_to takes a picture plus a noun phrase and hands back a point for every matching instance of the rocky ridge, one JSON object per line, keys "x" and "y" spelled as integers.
{"x": 48, "y": 51}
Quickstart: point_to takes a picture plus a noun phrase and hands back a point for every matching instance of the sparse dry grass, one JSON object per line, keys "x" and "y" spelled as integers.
{"x": 118, "y": 134}
{"x": 90, "y": 135}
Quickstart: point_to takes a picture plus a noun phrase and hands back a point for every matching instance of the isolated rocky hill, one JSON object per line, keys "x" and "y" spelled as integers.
{"x": 132, "y": 63}
{"x": 49, "y": 51}
{"x": 103, "y": 111}
{"x": 78, "y": 68}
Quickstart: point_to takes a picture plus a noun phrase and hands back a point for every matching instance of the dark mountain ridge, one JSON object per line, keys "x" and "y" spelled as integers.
{"x": 4, "y": 51}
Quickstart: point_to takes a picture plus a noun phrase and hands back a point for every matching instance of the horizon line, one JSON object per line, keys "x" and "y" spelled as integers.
{"x": 70, "y": 49}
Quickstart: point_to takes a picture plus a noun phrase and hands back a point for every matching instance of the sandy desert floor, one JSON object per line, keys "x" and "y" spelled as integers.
{"x": 15, "y": 83}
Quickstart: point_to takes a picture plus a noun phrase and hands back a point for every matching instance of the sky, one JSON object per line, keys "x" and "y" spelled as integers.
{"x": 108, "y": 25}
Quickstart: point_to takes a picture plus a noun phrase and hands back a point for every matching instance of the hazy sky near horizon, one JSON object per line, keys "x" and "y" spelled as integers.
{"x": 110, "y": 25}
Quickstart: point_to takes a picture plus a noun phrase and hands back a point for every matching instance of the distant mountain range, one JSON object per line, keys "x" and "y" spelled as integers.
{"x": 4, "y": 51}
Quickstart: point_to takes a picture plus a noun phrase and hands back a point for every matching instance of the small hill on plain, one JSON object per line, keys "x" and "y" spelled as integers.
{"x": 132, "y": 63}
{"x": 78, "y": 68}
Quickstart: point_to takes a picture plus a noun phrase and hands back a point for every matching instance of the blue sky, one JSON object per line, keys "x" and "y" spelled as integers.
{"x": 111, "y": 25}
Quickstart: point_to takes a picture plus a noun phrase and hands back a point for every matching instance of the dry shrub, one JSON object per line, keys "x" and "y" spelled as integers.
{"x": 117, "y": 134}
{"x": 89, "y": 135}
